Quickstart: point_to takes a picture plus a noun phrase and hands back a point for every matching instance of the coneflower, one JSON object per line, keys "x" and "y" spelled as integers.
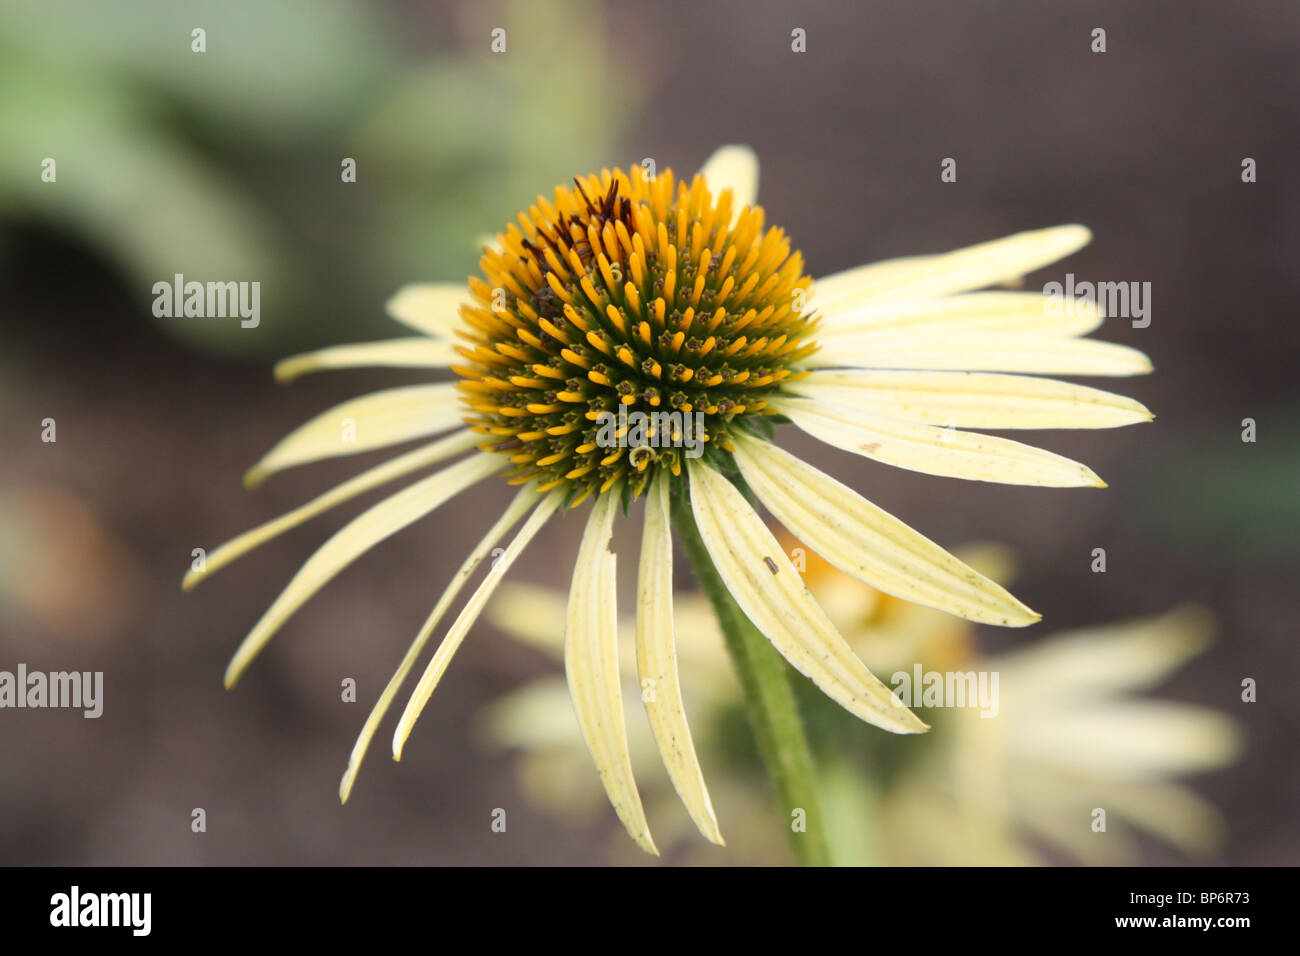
{"x": 675, "y": 303}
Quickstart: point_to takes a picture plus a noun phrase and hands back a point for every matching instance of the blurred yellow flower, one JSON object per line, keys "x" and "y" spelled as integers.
{"x": 1066, "y": 737}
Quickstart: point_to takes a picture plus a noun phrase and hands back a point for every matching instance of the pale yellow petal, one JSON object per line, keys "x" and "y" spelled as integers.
{"x": 430, "y": 307}
{"x": 469, "y": 614}
{"x": 734, "y": 168}
{"x": 657, "y": 664}
{"x": 517, "y": 509}
{"x": 413, "y": 352}
{"x": 1169, "y": 812}
{"x": 771, "y": 593}
{"x": 1106, "y": 660}
{"x": 868, "y": 543}
{"x": 1129, "y": 740}
{"x": 984, "y": 352}
{"x": 971, "y": 399}
{"x": 591, "y": 665}
{"x": 981, "y": 312}
{"x": 354, "y": 539}
{"x": 947, "y": 452}
{"x": 535, "y": 717}
{"x": 974, "y": 267}
{"x": 1114, "y": 846}
{"x": 363, "y": 424}
{"x": 532, "y": 614}
{"x": 235, "y": 548}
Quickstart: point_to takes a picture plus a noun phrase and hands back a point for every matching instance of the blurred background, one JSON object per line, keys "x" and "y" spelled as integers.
{"x": 226, "y": 164}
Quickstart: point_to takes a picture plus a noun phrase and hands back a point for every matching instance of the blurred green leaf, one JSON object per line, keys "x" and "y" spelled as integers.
{"x": 225, "y": 165}
{"x": 1215, "y": 494}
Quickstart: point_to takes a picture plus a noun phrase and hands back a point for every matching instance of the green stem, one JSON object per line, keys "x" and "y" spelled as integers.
{"x": 769, "y": 702}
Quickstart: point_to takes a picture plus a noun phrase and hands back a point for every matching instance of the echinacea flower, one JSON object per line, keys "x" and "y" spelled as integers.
{"x": 1071, "y": 734}
{"x": 632, "y": 294}
{"x": 1071, "y": 738}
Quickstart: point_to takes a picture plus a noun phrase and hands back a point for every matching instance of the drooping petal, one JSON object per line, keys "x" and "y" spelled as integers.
{"x": 974, "y": 267}
{"x": 363, "y": 424}
{"x": 237, "y": 547}
{"x": 947, "y": 452}
{"x": 516, "y": 510}
{"x": 469, "y": 614}
{"x": 591, "y": 665}
{"x": 534, "y": 615}
{"x": 1018, "y": 312}
{"x": 734, "y": 168}
{"x": 354, "y": 539}
{"x": 414, "y": 352}
{"x": 982, "y": 352}
{"x": 971, "y": 399}
{"x": 868, "y": 543}
{"x": 429, "y": 307}
{"x": 771, "y": 593}
{"x": 657, "y": 664}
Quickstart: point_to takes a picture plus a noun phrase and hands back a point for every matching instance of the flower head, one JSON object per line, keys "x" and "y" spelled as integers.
{"x": 649, "y": 297}
{"x": 670, "y": 298}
